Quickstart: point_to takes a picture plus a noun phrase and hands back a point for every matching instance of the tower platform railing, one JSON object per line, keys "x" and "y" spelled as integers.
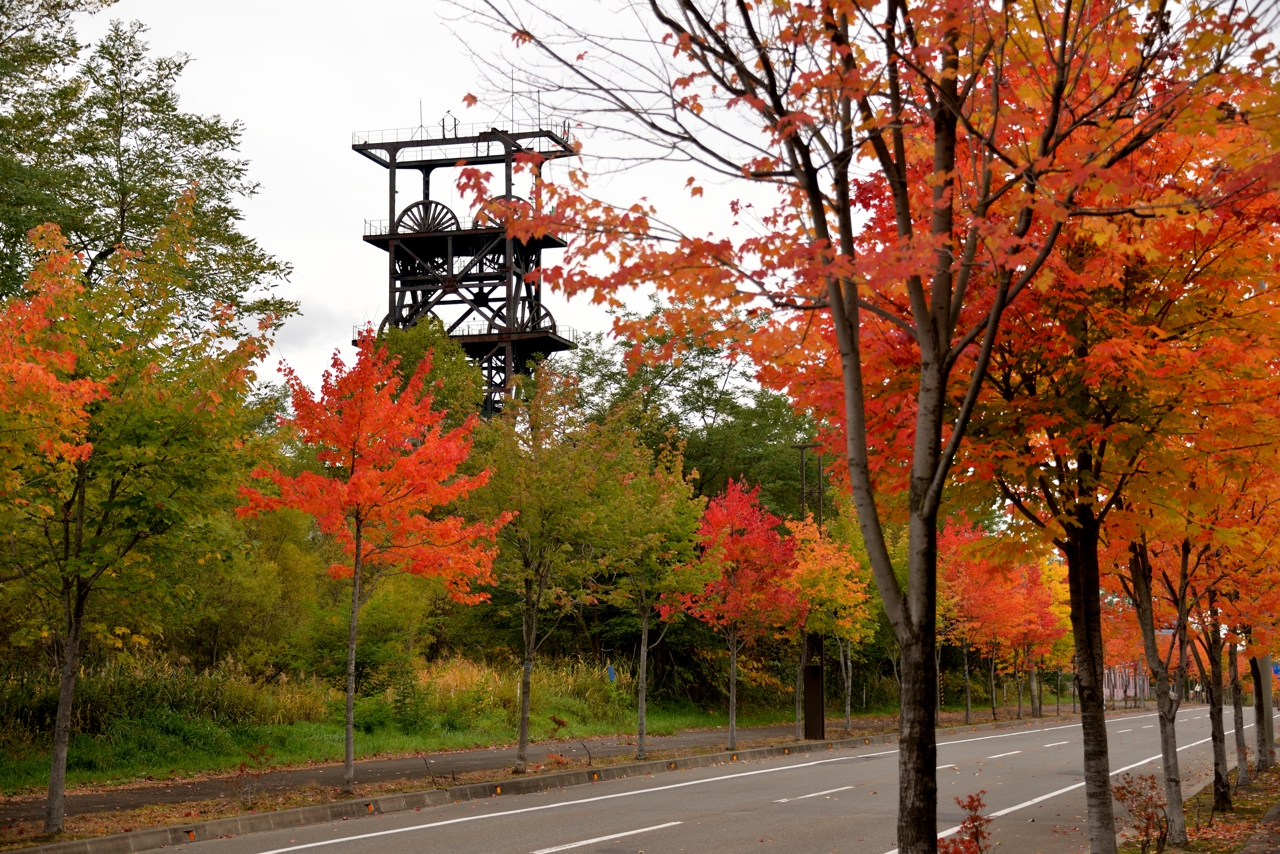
{"x": 447, "y": 129}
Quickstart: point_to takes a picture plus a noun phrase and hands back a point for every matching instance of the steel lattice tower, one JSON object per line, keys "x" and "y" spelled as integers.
{"x": 483, "y": 284}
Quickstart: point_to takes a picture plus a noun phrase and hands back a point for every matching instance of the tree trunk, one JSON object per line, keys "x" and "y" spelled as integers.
{"x": 1081, "y": 550}
{"x": 1237, "y": 716}
{"x": 1268, "y": 719}
{"x": 1217, "y": 731}
{"x": 804, "y": 659}
{"x": 1261, "y": 710}
{"x": 918, "y": 752}
{"x": 642, "y": 679}
{"x": 349, "y": 753}
{"x": 74, "y": 599}
{"x": 994, "y": 717}
{"x": 968, "y": 701}
{"x": 1057, "y": 694}
{"x": 937, "y": 678}
{"x": 1017, "y": 682}
{"x": 846, "y": 672}
{"x": 732, "y": 638}
{"x": 1166, "y": 703}
{"x": 530, "y": 633}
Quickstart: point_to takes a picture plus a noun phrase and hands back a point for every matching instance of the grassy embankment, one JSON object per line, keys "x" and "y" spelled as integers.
{"x": 152, "y": 720}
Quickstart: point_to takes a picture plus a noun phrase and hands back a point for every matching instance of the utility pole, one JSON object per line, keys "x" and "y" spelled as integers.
{"x": 817, "y": 490}
{"x": 815, "y": 723}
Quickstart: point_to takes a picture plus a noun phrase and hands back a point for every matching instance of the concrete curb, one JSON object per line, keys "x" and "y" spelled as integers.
{"x": 161, "y": 837}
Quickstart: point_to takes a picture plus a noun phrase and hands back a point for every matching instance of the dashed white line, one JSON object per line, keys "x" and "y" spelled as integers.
{"x": 802, "y": 797}
{"x": 940, "y": 767}
{"x": 1002, "y": 755}
{"x": 575, "y": 802}
{"x": 1148, "y": 726}
{"x": 604, "y": 838}
{"x": 1056, "y": 743}
{"x": 1123, "y": 730}
{"x": 1080, "y": 785}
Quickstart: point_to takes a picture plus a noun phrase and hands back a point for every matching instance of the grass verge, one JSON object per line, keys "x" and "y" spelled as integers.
{"x": 1228, "y": 832}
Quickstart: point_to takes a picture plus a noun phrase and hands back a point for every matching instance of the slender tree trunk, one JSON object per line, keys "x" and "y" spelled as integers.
{"x": 1017, "y": 682}
{"x": 642, "y": 679}
{"x": 1081, "y": 550}
{"x": 1268, "y": 719}
{"x": 1237, "y": 716}
{"x": 994, "y": 717}
{"x": 1167, "y": 713}
{"x": 937, "y": 677}
{"x": 349, "y": 752}
{"x": 804, "y": 659}
{"x": 732, "y": 637}
{"x": 74, "y": 599}
{"x": 1037, "y": 696}
{"x": 968, "y": 700}
{"x": 846, "y": 672}
{"x": 530, "y": 631}
{"x": 1261, "y": 709}
{"x": 1217, "y": 731}
{"x": 918, "y": 752}
{"x": 1166, "y": 703}
{"x": 1057, "y": 695}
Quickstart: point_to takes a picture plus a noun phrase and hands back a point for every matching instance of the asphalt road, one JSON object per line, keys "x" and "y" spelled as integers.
{"x": 843, "y": 801}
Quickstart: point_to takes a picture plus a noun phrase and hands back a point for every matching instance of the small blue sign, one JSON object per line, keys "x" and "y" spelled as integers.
{"x": 613, "y": 676}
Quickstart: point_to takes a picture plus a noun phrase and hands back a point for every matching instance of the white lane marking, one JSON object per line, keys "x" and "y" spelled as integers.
{"x": 572, "y": 803}
{"x": 1148, "y": 726}
{"x": 1031, "y": 731}
{"x": 1002, "y": 755}
{"x": 604, "y": 838}
{"x": 1123, "y": 730}
{"x": 1079, "y": 785}
{"x": 785, "y": 800}
{"x": 940, "y": 767}
{"x": 1056, "y": 743}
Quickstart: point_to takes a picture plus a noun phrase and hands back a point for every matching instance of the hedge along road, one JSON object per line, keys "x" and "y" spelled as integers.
{"x": 842, "y": 801}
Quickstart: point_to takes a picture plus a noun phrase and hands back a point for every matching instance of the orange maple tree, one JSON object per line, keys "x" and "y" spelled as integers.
{"x": 831, "y": 584}
{"x": 999, "y": 603}
{"x": 387, "y": 470}
{"x": 42, "y": 403}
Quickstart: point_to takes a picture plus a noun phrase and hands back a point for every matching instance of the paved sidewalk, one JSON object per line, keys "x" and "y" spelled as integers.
{"x": 1266, "y": 839}
{"x": 442, "y": 765}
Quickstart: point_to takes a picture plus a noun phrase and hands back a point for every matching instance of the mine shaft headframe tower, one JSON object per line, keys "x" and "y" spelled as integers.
{"x": 472, "y": 274}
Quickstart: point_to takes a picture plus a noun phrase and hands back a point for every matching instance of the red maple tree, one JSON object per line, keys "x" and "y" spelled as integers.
{"x": 747, "y": 565}
{"x": 388, "y": 467}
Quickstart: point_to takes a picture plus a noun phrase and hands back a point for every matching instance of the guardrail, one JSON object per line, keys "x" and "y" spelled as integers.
{"x": 451, "y": 128}
{"x": 566, "y": 332}
{"x": 384, "y": 227}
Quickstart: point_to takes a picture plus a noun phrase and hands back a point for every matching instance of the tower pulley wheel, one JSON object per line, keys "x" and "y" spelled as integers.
{"x": 426, "y": 217}
{"x": 487, "y": 217}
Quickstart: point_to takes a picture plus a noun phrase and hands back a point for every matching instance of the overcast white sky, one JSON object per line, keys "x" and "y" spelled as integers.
{"x": 302, "y": 75}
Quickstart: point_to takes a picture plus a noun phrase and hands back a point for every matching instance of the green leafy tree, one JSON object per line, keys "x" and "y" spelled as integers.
{"x": 37, "y": 47}
{"x": 652, "y": 522}
{"x": 106, "y": 155}
{"x": 563, "y": 473}
{"x": 453, "y": 378}
{"x": 166, "y": 447}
